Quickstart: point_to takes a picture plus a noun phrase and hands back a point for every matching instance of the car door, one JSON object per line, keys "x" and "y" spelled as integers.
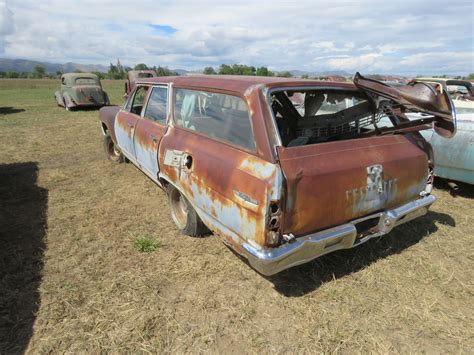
{"x": 127, "y": 119}
{"x": 208, "y": 153}
{"x": 149, "y": 130}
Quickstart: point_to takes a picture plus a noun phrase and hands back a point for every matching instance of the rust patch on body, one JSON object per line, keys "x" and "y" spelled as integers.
{"x": 218, "y": 171}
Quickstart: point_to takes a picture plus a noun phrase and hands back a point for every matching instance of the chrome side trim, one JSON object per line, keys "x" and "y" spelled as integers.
{"x": 306, "y": 248}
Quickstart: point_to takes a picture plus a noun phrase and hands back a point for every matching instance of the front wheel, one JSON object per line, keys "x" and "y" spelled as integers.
{"x": 112, "y": 152}
{"x": 184, "y": 215}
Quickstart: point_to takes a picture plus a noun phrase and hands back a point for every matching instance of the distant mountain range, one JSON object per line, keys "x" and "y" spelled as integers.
{"x": 24, "y": 65}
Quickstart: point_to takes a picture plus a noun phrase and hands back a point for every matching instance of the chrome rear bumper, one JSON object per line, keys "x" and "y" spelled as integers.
{"x": 303, "y": 249}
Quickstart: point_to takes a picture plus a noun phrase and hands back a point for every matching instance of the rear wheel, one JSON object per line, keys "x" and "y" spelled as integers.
{"x": 184, "y": 215}
{"x": 106, "y": 99}
{"x": 112, "y": 152}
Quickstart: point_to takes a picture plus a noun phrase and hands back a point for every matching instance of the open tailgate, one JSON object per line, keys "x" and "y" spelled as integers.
{"x": 416, "y": 96}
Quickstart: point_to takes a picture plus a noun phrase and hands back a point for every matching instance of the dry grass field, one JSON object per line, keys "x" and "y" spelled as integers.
{"x": 90, "y": 261}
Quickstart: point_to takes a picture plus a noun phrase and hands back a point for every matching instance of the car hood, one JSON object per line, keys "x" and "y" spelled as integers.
{"x": 417, "y": 96}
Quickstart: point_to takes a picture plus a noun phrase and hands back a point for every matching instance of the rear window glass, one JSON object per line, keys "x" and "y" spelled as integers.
{"x": 321, "y": 115}
{"x": 145, "y": 75}
{"x": 220, "y": 116}
{"x": 86, "y": 81}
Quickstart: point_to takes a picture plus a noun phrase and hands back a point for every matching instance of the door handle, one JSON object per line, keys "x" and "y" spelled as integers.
{"x": 153, "y": 138}
{"x": 130, "y": 125}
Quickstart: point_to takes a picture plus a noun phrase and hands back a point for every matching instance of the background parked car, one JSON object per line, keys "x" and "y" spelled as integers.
{"x": 81, "y": 90}
{"x": 133, "y": 76}
{"x": 454, "y": 158}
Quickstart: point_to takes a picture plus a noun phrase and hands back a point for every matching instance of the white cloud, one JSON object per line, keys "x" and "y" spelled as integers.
{"x": 368, "y": 35}
{"x": 6, "y": 24}
{"x": 6, "y": 19}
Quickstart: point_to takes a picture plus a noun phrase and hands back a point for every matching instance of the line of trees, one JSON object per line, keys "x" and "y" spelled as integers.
{"x": 119, "y": 72}
{"x": 241, "y": 69}
{"x": 116, "y": 71}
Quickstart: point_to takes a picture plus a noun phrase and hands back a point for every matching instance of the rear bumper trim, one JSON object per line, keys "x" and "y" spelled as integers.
{"x": 305, "y": 248}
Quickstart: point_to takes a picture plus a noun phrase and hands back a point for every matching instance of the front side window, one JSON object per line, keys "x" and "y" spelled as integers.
{"x": 156, "y": 109}
{"x": 220, "y": 116}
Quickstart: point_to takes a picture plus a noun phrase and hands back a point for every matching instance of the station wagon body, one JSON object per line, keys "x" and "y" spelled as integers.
{"x": 283, "y": 170}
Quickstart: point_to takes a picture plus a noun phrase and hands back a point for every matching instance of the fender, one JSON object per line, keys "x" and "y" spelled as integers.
{"x": 107, "y": 117}
{"x": 69, "y": 101}
{"x": 58, "y": 98}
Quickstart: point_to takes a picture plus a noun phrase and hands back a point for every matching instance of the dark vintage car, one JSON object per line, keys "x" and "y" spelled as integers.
{"x": 135, "y": 75}
{"x": 283, "y": 170}
{"x": 81, "y": 90}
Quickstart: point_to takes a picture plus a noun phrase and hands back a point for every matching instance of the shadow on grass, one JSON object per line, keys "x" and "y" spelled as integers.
{"x": 464, "y": 190}
{"x": 23, "y": 225}
{"x": 83, "y": 108}
{"x": 9, "y": 110}
{"x": 306, "y": 278}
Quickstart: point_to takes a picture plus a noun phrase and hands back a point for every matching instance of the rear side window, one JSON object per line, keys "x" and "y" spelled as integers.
{"x": 156, "y": 107}
{"x": 220, "y": 116}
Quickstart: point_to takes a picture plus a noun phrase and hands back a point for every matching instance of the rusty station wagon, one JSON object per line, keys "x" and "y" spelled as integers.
{"x": 283, "y": 170}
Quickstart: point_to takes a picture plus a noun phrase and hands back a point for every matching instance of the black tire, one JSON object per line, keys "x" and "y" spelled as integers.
{"x": 112, "y": 152}
{"x": 106, "y": 99}
{"x": 184, "y": 215}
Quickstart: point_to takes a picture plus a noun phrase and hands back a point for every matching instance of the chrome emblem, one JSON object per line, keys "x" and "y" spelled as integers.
{"x": 375, "y": 178}
{"x": 377, "y": 190}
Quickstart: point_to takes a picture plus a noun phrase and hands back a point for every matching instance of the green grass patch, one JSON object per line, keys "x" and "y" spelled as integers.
{"x": 146, "y": 244}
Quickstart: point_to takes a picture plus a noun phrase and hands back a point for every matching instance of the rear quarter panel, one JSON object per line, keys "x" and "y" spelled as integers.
{"x": 219, "y": 172}
{"x": 454, "y": 157}
{"x": 107, "y": 118}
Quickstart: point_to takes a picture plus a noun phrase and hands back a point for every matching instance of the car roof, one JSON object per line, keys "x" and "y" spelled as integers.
{"x": 240, "y": 83}
{"x": 447, "y": 81}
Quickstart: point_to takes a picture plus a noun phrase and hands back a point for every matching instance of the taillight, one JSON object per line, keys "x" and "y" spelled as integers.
{"x": 273, "y": 224}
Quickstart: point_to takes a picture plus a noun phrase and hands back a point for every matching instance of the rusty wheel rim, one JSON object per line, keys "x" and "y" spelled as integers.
{"x": 179, "y": 209}
{"x": 114, "y": 152}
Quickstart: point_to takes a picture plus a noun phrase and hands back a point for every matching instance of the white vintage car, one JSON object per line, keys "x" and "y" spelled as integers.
{"x": 454, "y": 158}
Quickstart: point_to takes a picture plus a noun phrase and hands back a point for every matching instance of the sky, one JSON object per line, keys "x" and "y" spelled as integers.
{"x": 371, "y": 36}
